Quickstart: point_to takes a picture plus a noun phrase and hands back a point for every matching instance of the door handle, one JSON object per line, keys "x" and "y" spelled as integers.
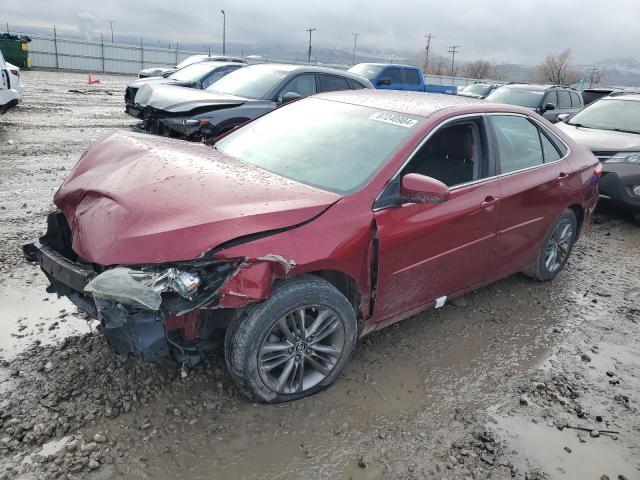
{"x": 489, "y": 201}
{"x": 562, "y": 176}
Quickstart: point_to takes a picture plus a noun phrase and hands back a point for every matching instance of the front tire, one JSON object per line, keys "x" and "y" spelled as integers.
{"x": 555, "y": 249}
{"x": 293, "y": 344}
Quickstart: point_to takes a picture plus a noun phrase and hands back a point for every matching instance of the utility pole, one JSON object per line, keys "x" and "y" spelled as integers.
{"x": 111, "y": 22}
{"x": 428, "y": 36}
{"x": 592, "y": 76}
{"x": 310, "y": 30}
{"x": 355, "y": 41}
{"x": 224, "y": 32}
{"x": 452, "y": 51}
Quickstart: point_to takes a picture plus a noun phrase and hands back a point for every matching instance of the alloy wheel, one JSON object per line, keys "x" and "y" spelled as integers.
{"x": 301, "y": 349}
{"x": 558, "y": 246}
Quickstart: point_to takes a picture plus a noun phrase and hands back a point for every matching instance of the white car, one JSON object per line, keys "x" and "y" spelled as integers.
{"x": 11, "y": 87}
{"x": 166, "y": 71}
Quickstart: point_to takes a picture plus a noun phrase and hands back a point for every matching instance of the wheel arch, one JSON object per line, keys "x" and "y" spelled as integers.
{"x": 578, "y": 210}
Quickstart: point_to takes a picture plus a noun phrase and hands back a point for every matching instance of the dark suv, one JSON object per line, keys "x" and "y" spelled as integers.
{"x": 547, "y": 100}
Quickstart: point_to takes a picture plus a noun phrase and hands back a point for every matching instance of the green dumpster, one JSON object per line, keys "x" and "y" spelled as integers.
{"x": 15, "y": 49}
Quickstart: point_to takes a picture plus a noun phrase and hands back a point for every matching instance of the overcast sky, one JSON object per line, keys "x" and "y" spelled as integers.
{"x": 518, "y": 31}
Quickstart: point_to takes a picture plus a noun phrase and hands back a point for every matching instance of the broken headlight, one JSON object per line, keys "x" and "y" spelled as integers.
{"x": 144, "y": 287}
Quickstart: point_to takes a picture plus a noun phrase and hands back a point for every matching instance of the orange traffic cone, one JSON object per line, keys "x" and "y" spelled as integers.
{"x": 92, "y": 81}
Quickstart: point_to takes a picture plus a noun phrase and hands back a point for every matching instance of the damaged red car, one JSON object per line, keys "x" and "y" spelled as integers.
{"x": 309, "y": 227}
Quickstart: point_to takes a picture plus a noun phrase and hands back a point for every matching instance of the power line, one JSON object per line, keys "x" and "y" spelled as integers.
{"x": 355, "y": 41}
{"x": 452, "y": 51}
{"x": 310, "y": 30}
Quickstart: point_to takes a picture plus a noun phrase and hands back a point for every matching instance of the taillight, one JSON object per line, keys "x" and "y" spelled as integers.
{"x": 15, "y": 72}
{"x": 597, "y": 170}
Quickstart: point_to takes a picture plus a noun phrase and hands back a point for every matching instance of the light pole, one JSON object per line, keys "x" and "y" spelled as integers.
{"x": 111, "y": 22}
{"x": 224, "y": 32}
{"x": 355, "y": 41}
{"x": 310, "y": 30}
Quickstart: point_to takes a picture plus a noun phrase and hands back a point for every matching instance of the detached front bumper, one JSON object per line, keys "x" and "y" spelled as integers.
{"x": 617, "y": 183}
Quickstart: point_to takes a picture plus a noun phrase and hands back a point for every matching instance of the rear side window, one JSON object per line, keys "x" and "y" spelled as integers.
{"x": 518, "y": 142}
{"x": 330, "y": 83}
{"x": 411, "y": 76}
{"x": 564, "y": 100}
{"x": 393, "y": 74}
{"x": 575, "y": 100}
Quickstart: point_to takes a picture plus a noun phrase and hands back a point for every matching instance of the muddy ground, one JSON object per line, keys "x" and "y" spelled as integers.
{"x": 527, "y": 380}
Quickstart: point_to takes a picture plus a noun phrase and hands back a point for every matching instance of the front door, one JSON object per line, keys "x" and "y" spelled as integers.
{"x": 429, "y": 251}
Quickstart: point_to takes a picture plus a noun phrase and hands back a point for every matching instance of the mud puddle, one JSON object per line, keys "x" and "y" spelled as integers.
{"x": 30, "y": 314}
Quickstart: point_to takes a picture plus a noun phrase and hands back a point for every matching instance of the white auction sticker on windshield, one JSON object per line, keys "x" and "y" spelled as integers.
{"x": 394, "y": 119}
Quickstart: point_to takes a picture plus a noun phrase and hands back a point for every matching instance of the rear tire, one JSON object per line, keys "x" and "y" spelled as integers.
{"x": 555, "y": 249}
{"x": 293, "y": 344}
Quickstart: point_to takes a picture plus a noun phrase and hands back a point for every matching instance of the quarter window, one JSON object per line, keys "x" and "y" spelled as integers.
{"x": 518, "y": 142}
{"x": 549, "y": 150}
{"x": 575, "y": 100}
{"x": 564, "y": 100}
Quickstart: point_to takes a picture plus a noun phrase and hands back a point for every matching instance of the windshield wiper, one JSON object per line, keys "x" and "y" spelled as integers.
{"x": 579, "y": 125}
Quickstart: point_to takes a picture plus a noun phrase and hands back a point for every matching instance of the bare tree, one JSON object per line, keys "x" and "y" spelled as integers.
{"x": 557, "y": 70}
{"x": 595, "y": 76}
{"x": 479, "y": 69}
{"x": 438, "y": 65}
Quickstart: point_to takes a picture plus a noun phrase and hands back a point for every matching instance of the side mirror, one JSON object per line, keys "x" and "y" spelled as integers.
{"x": 418, "y": 188}
{"x": 548, "y": 106}
{"x": 563, "y": 117}
{"x": 290, "y": 97}
{"x": 384, "y": 81}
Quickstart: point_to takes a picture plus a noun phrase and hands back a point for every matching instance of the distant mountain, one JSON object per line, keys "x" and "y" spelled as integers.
{"x": 619, "y": 71}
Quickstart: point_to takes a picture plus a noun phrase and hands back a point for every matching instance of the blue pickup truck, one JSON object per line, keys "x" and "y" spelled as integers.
{"x": 386, "y": 76}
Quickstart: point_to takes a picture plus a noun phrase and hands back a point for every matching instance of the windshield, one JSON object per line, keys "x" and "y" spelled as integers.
{"x": 516, "y": 96}
{"x": 193, "y": 72}
{"x": 190, "y": 60}
{"x": 366, "y": 70}
{"x": 477, "y": 89}
{"x": 609, "y": 114}
{"x": 250, "y": 82}
{"x": 330, "y": 145}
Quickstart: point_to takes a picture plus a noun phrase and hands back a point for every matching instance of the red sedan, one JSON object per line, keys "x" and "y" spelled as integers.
{"x": 311, "y": 226}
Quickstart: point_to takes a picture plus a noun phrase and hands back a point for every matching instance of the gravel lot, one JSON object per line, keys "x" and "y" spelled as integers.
{"x": 521, "y": 379}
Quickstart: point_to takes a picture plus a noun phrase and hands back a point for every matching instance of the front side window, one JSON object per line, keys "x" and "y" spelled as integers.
{"x": 255, "y": 81}
{"x": 564, "y": 99}
{"x": 454, "y": 154}
{"x": 551, "y": 97}
{"x": 215, "y": 76}
{"x": 331, "y": 145}
{"x": 518, "y": 142}
{"x": 366, "y": 70}
{"x": 303, "y": 85}
{"x": 393, "y": 74}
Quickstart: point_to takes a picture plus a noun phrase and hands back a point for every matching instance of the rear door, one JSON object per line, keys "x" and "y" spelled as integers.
{"x": 430, "y": 251}
{"x": 564, "y": 103}
{"x": 535, "y": 187}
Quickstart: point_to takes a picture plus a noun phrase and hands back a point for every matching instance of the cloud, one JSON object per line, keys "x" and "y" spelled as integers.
{"x": 518, "y": 31}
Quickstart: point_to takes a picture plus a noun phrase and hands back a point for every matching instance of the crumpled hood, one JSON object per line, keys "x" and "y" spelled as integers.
{"x": 136, "y": 198}
{"x": 598, "y": 140}
{"x": 170, "y": 98}
{"x": 140, "y": 82}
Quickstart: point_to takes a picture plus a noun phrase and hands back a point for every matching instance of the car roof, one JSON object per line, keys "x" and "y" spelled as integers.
{"x": 220, "y": 63}
{"x": 287, "y": 67}
{"x": 387, "y": 65}
{"x": 410, "y": 103}
{"x": 536, "y": 86}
